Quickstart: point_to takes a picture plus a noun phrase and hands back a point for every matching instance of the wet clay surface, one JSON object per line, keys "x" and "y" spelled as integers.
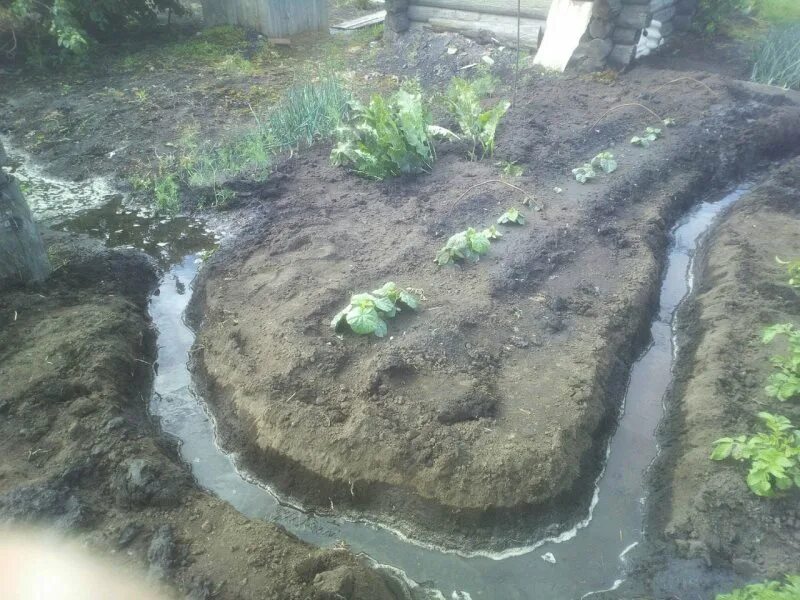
{"x": 491, "y": 406}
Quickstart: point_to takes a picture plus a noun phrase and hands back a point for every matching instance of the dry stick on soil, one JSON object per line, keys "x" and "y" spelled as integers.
{"x": 516, "y": 70}
{"x": 487, "y": 182}
{"x": 613, "y": 108}
{"x": 658, "y": 89}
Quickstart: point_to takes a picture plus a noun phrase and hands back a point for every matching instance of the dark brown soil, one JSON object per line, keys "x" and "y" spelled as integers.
{"x": 81, "y": 454}
{"x": 492, "y": 405}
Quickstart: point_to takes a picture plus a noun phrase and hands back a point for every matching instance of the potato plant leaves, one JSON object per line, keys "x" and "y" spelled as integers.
{"x": 366, "y": 313}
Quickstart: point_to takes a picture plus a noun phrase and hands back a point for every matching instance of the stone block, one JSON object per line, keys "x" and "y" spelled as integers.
{"x": 621, "y": 55}
{"x": 600, "y": 28}
{"x": 634, "y": 17}
{"x": 626, "y": 36}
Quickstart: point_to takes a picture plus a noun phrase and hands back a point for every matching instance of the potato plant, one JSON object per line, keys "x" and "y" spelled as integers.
{"x": 478, "y": 126}
{"x": 367, "y": 313}
{"x": 386, "y": 138}
{"x": 784, "y": 384}
{"x": 774, "y": 455}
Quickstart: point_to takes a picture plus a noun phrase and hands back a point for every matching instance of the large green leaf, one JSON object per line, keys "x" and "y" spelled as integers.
{"x": 365, "y": 320}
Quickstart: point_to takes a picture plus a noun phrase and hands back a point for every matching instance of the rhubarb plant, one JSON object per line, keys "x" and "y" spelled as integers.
{"x": 784, "y": 383}
{"x": 386, "y": 137}
{"x": 367, "y": 313}
{"x": 774, "y": 455}
{"x": 650, "y": 135}
{"x": 467, "y": 245}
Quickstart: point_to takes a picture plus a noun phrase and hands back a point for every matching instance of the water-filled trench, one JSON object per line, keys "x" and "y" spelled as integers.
{"x": 589, "y": 558}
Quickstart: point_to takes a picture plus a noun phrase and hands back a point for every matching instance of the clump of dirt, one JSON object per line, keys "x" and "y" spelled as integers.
{"x": 81, "y": 454}
{"x": 489, "y": 409}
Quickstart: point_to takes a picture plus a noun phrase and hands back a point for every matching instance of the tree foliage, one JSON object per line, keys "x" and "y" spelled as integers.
{"x": 73, "y": 24}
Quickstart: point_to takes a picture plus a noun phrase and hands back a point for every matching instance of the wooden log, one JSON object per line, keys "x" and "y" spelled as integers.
{"x": 504, "y": 33}
{"x": 531, "y": 9}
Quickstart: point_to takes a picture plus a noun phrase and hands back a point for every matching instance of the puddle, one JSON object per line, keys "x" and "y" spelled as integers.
{"x": 589, "y": 558}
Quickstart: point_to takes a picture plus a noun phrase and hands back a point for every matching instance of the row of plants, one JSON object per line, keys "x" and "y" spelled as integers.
{"x": 773, "y": 453}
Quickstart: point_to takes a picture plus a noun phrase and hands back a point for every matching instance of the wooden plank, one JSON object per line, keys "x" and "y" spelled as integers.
{"x": 365, "y": 21}
{"x": 566, "y": 24}
{"x": 487, "y": 21}
{"x": 531, "y": 9}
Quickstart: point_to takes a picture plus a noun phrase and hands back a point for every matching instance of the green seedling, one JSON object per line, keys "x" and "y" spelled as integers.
{"x": 512, "y": 215}
{"x": 792, "y": 270}
{"x": 651, "y": 134}
{"x": 774, "y": 455}
{"x": 467, "y": 245}
{"x": 784, "y": 384}
{"x": 492, "y": 233}
{"x": 604, "y": 161}
{"x": 510, "y": 169}
{"x": 668, "y": 122}
{"x": 367, "y": 313}
{"x": 584, "y": 174}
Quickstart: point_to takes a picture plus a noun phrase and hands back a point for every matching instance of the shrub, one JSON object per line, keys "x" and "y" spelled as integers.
{"x": 777, "y": 58}
{"x": 386, "y": 137}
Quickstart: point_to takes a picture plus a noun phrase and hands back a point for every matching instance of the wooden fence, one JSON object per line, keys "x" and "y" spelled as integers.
{"x": 273, "y": 18}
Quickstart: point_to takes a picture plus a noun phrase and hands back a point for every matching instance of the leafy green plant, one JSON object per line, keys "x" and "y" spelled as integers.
{"x": 386, "y": 137}
{"x": 510, "y": 169}
{"x": 774, "y": 455}
{"x": 463, "y": 99}
{"x": 650, "y": 135}
{"x": 604, "y": 161}
{"x": 792, "y": 270}
{"x": 166, "y": 189}
{"x": 467, "y": 245}
{"x": 512, "y": 215}
{"x": 769, "y": 590}
{"x": 585, "y": 173}
{"x": 785, "y": 383}
{"x": 492, "y": 233}
{"x": 777, "y": 58}
{"x": 367, "y": 313}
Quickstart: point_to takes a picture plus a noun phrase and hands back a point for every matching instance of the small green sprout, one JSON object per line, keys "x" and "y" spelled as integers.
{"x": 785, "y": 383}
{"x": 669, "y": 122}
{"x": 492, "y": 233}
{"x": 510, "y": 169}
{"x": 512, "y": 215}
{"x": 467, "y": 245}
{"x": 585, "y": 173}
{"x": 651, "y": 134}
{"x": 366, "y": 313}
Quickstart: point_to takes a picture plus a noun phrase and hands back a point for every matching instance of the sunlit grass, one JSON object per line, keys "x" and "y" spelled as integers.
{"x": 777, "y": 59}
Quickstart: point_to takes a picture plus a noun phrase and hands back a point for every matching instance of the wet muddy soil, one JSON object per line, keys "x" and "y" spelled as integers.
{"x": 81, "y": 454}
{"x": 488, "y": 411}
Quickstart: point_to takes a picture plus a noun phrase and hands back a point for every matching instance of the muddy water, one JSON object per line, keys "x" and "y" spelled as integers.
{"x": 589, "y": 558}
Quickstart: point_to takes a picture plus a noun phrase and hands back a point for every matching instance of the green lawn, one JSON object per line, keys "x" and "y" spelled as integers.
{"x": 777, "y": 12}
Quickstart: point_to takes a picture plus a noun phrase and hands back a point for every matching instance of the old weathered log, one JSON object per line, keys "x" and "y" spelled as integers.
{"x": 531, "y": 9}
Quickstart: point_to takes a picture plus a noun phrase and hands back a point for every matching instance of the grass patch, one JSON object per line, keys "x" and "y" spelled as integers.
{"x": 778, "y": 12}
{"x": 777, "y": 58}
{"x": 166, "y": 192}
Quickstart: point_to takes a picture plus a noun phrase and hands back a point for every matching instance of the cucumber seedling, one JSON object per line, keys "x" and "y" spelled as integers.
{"x": 467, "y": 245}
{"x": 367, "y": 313}
{"x": 650, "y": 135}
{"x": 512, "y": 215}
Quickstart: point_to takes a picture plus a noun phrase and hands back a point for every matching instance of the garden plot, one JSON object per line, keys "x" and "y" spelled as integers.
{"x": 491, "y": 404}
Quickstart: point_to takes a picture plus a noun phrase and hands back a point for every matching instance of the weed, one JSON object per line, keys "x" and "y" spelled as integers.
{"x": 467, "y": 245}
{"x": 769, "y": 590}
{"x": 512, "y": 215}
{"x": 650, "y": 135}
{"x": 366, "y": 313}
{"x": 476, "y": 125}
{"x": 166, "y": 190}
{"x": 386, "y": 137}
{"x": 777, "y": 59}
{"x": 774, "y": 455}
{"x": 785, "y": 383}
